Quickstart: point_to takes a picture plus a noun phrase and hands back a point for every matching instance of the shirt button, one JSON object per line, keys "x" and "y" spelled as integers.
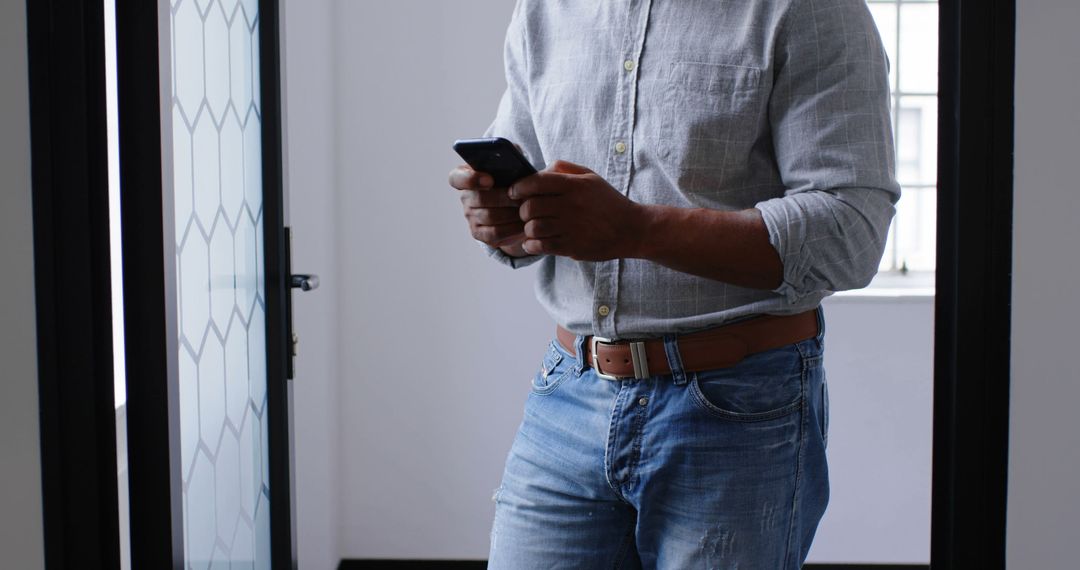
{"x": 643, "y": 401}
{"x": 620, "y": 147}
{"x": 629, "y": 65}
{"x": 604, "y": 310}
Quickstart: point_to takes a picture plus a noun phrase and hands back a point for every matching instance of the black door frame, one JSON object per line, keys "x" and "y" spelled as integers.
{"x": 974, "y": 284}
{"x": 72, "y": 284}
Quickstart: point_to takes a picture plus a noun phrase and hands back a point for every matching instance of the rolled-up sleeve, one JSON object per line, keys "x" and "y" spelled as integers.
{"x": 513, "y": 120}
{"x": 832, "y": 133}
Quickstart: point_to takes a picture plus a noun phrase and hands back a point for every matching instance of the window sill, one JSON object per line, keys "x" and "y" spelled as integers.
{"x": 912, "y": 287}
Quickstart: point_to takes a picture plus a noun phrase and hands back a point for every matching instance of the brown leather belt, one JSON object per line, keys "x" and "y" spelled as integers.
{"x": 719, "y": 347}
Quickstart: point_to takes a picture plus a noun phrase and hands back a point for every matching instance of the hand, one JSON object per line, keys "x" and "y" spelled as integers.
{"x": 492, "y": 215}
{"x": 571, "y": 211}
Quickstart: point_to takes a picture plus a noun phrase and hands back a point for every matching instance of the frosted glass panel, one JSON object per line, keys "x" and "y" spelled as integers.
{"x": 216, "y": 161}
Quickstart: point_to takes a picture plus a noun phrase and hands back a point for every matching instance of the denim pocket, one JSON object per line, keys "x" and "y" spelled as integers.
{"x": 764, "y": 386}
{"x": 553, "y": 370}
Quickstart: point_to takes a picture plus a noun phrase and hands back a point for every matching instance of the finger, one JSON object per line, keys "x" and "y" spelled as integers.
{"x": 465, "y": 178}
{"x": 487, "y": 199}
{"x": 493, "y": 235}
{"x": 513, "y": 238}
{"x": 564, "y": 167}
{"x": 493, "y": 216}
{"x": 540, "y": 207}
{"x": 549, "y": 246}
{"x": 540, "y": 229}
{"x": 537, "y": 185}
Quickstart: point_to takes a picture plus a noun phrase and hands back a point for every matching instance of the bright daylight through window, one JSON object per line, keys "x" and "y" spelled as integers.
{"x": 909, "y": 30}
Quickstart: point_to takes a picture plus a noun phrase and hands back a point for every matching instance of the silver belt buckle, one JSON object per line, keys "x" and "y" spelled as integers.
{"x": 637, "y": 356}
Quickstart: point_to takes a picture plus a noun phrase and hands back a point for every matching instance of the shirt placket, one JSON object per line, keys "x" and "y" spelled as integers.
{"x": 620, "y": 153}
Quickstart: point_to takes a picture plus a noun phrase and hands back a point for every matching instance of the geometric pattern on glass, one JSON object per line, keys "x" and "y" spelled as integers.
{"x": 909, "y": 30}
{"x": 217, "y": 165}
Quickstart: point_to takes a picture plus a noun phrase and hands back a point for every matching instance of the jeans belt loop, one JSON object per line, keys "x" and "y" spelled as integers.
{"x": 671, "y": 347}
{"x": 579, "y": 352}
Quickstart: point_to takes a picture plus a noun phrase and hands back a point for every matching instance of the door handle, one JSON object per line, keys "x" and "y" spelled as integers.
{"x": 304, "y": 282}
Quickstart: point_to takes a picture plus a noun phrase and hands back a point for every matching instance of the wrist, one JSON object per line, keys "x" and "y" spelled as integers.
{"x": 643, "y": 231}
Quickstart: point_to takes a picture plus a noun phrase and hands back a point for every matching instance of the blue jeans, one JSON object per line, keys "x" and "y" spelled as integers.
{"x": 719, "y": 469}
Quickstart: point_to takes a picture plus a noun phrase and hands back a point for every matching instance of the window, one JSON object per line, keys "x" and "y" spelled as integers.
{"x": 909, "y": 30}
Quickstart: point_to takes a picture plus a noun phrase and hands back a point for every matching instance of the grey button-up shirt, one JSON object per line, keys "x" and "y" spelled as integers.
{"x": 779, "y": 105}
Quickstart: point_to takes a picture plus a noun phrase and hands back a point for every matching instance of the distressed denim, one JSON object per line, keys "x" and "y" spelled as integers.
{"x": 720, "y": 469}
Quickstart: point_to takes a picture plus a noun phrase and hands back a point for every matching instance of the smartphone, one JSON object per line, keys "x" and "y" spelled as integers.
{"x": 497, "y": 157}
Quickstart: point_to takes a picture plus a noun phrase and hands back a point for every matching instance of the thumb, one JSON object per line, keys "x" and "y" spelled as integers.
{"x": 564, "y": 167}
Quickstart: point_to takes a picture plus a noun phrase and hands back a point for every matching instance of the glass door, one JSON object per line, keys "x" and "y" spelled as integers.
{"x": 207, "y": 379}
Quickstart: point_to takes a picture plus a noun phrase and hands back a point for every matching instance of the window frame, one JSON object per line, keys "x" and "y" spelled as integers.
{"x": 897, "y": 280}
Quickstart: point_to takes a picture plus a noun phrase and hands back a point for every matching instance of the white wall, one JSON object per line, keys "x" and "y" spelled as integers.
{"x": 439, "y": 343}
{"x": 1044, "y": 441}
{"x": 879, "y": 364}
{"x": 417, "y": 353}
{"x": 21, "y": 539}
{"x": 308, "y": 61}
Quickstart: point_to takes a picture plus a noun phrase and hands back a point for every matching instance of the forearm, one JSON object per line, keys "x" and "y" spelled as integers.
{"x": 732, "y": 247}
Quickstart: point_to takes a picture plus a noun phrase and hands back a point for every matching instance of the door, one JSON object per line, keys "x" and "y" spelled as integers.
{"x": 206, "y": 284}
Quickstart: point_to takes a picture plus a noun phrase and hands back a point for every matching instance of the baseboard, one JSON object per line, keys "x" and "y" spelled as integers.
{"x": 413, "y": 565}
{"x": 482, "y": 564}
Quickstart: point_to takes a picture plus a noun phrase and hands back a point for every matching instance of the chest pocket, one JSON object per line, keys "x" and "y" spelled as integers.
{"x": 711, "y": 117}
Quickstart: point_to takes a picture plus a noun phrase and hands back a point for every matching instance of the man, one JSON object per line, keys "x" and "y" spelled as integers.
{"x": 712, "y": 171}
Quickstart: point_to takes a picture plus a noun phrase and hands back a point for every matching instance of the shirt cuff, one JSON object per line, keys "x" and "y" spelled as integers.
{"x": 828, "y": 240}
{"x": 509, "y": 260}
{"x": 787, "y": 234}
